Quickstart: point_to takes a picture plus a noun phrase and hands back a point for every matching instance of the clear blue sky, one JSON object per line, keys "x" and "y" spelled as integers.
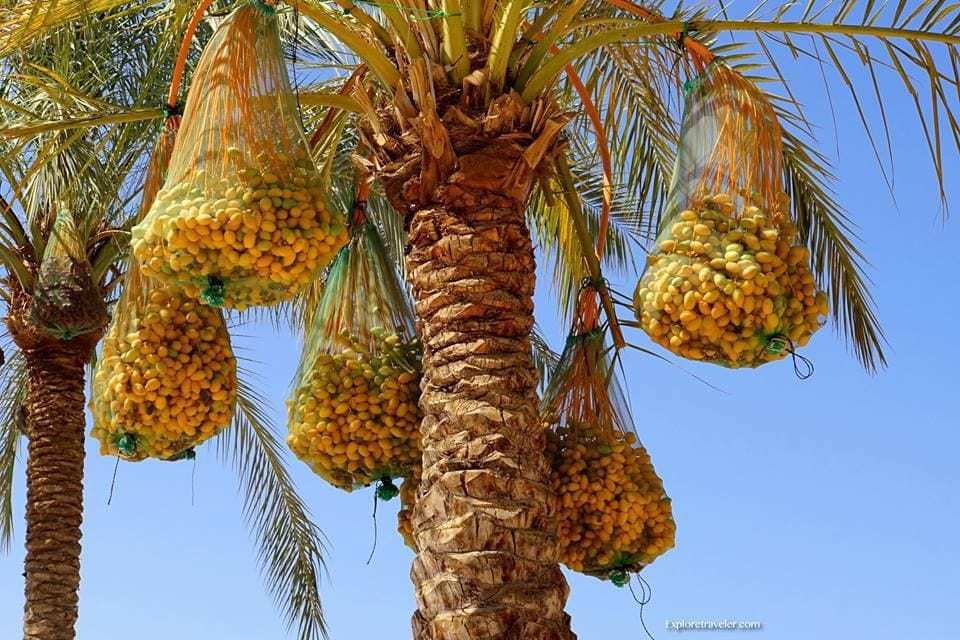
{"x": 826, "y": 508}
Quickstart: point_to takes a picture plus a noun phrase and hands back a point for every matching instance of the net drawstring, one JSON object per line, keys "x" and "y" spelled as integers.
{"x": 646, "y": 594}
{"x": 113, "y": 481}
{"x": 193, "y": 482}
{"x": 802, "y": 366}
{"x": 373, "y": 549}
{"x": 386, "y": 491}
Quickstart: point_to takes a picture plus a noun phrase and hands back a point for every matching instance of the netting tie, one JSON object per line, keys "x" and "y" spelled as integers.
{"x": 172, "y": 110}
{"x": 386, "y": 490}
{"x": 266, "y": 8}
{"x": 214, "y": 293}
{"x": 597, "y": 284}
{"x": 127, "y": 444}
{"x": 594, "y": 333}
{"x": 802, "y": 366}
{"x": 619, "y": 577}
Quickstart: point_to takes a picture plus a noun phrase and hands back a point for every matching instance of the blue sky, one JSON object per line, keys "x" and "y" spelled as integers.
{"x": 824, "y": 508}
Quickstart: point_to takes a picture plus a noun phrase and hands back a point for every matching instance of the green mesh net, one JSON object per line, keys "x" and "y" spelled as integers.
{"x": 166, "y": 378}
{"x": 242, "y": 218}
{"x": 354, "y": 414}
{"x": 613, "y": 516}
{"x": 728, "y": 280}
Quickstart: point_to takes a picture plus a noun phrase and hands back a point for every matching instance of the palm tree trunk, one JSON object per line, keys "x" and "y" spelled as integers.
{"x": 55, "y": 429}
{"x": 487, "y": 566}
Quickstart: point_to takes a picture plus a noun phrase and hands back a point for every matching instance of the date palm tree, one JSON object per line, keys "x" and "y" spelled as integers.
{"x": 481, "y": 122}
{"x": 80, "y": 190}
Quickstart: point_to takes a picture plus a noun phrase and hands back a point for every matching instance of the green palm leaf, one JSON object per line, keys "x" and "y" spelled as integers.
{"x": 13, "y": 388}
{"x": 290, "y": 545}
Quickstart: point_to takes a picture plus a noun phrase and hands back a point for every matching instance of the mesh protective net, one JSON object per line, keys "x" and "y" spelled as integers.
{"x": 728, "y": 280}
{"x": 166, "y": 378}
{"x": 66, "y": 301}
{"x": 242, "y": 218}
{"x": 158, "y": 165}
{"x": 613, "y": 515}
{"x": 354, "y": 416}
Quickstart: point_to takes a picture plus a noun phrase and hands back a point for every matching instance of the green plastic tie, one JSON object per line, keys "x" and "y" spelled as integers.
{"x": 775, "y": 344}
{"x": 214, "y": 293}
{"x": 620, "y": 577}
{"x": 691, "y": 85}
{"x": 127, "y": 444}
{"x": 386, "y": 490}
{"x": 264, "y": 7}
{"x": 593, "y": 334}
{"x": 188, "y": 454}
{"x": 171, "y": 110}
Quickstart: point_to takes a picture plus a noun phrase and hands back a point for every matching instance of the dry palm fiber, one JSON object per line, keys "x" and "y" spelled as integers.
{"x": 728, "y": 281}
{"x": 354, "y": 414}
{"x": 166, "y": 379}
{"x": 613, "y": 515}
{"x": 242, "y": 218}
{"x": 66, "y": 301}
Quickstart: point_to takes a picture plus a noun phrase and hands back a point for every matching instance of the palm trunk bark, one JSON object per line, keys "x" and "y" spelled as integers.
{"x": 55, "y": 431}
{"x": 55, "y": 427}
{"x": 483, "y": 523}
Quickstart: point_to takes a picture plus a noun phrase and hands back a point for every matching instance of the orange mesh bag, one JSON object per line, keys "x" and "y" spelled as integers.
{"x": 729, "y": 281}
{"x": 165, "y": 381}
{"x": 354, "y": 414}
{"x": 242, "y": 218}
{"x": 613, "y": 515}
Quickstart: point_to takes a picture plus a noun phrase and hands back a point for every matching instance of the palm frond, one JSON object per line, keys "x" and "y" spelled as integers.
{"x": 554, "y": 234}
{"x": 290, "y": 545}
{"x": 13, "y": 389}
{"x": 544, "y": 358}
{"x": 836, "y": 260}
{"x": 24, "y": 22}
{"x": 916, "y": 49}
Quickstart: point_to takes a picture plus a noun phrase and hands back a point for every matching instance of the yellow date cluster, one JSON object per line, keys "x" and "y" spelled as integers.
{"x": 354, "y": 418}
{"x": 732, "y": 289}
{"x": 612, "y": 512}
{"x": 165, "y": 381}
{"x": 254, "y": 240}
